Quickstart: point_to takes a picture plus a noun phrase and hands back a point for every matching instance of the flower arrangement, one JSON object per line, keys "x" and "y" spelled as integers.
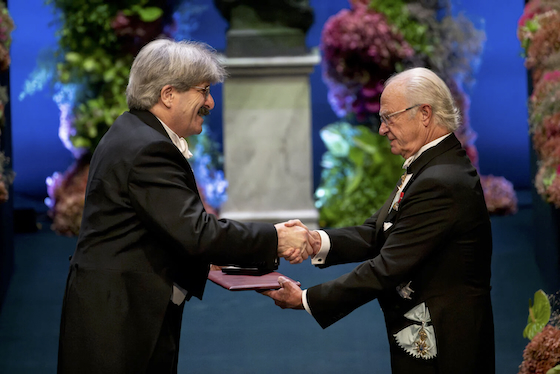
{"x": 499, "y": 194}
{"x": 6, "y": 28}
{"x": 90, "y": 81}
{"x": 358, "y": 59}
{"x": 542, "y": 353}
{"x": 362, "y": 47}
{"x": 66, "y": 198}
{"x": 540, "y": 38}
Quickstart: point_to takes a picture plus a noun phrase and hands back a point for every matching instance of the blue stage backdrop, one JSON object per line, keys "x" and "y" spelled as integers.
{"x": 498, "y": 108}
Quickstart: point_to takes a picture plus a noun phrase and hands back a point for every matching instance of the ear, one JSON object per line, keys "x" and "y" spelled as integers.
{"x": 426, "y": 113}
{"x": 166, "y": 95}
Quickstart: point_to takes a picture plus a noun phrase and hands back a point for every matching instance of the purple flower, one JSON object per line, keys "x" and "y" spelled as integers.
{"x": 360, "y": 50}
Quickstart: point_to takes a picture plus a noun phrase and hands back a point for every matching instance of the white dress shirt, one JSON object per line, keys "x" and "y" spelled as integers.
{"x": 179, "y": 294}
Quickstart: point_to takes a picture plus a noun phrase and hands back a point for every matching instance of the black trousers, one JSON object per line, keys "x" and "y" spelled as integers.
{"x": 404, "y": 363}
{"x": 166, "y": 352}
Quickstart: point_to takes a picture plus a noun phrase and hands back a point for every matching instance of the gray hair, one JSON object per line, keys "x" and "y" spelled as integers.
{"x": 423, "y": 86}
{"x": 182, "y": 64}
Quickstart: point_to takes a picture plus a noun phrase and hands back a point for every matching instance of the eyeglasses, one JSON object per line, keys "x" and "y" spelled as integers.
{"x": 203, "y": 90}
{"x": 385, "y": 117}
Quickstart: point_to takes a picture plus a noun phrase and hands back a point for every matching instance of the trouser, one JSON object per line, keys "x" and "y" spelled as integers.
{"x": 165, "y": 356}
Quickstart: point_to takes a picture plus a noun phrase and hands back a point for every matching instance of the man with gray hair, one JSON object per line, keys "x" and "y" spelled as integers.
{"x": 427, "y": 251}
{"x": 146, "y": 241}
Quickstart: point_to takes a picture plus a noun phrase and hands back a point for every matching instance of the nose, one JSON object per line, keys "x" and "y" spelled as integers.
{"x": 209, "y": 103}
{"x": 383, "y": 129}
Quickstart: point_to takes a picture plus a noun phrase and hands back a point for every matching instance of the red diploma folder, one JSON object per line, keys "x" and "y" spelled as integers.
{"x": 247, "y": 282}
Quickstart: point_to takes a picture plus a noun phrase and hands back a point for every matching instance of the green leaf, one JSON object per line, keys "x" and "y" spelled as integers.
{"x": 357, "y": 156}
{"x": 150, "y": 14}
{"x": 73, "y": 57}
{"x": 81, "y": 142}
{"x": 92, "y": 132}
{"x": 532, "y": 25}
{"x": 89, "y": 64}
{"x": 549, "y": 179}
{"x": 64, "y": 77}
{"x": 355, "y": 181}
{"x": 554, "y": 370}
{"x": 367, "y": 140}
{"x": 335, "y": 142}
{"x": 109, "y": 75}
{"x": 539, "y": 315}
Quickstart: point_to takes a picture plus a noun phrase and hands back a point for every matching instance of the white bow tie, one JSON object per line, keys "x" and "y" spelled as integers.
{"x": 184, "y": 148}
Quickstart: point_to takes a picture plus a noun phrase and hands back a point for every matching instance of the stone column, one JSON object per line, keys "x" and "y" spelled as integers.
{"x": 267, "y": 139}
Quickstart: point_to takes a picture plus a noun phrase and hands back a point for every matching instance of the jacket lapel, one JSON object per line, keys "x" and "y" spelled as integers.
{"x": 384, "y": 212}
{"x": 151, "y": 120}
{"x": 416, "y": 168}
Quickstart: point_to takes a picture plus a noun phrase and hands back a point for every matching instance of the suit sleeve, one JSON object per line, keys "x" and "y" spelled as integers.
{"x": 425, "y": 220}
{"x": 352, "y": 244}
{"x": 165, "y": 198}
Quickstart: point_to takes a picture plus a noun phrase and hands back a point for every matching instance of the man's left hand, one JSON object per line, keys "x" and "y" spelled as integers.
{"x": 288, "y": 296}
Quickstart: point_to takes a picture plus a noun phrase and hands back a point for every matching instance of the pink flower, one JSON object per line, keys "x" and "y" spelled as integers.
{"x": 545, "y": 42}
{"x": 532, "y": 8}
{"x": 472, "y": 153}
{"x": 552, "y": 76}
{"x": 499, "y": 195}
{"x": 3, "y": 191}
{"x": 553, "y": 190}
{"x": 542, "y": 353}
{"x": 67, "y": 197}
{"x": 120, "y": 21}
{"x": 547, "y": 182}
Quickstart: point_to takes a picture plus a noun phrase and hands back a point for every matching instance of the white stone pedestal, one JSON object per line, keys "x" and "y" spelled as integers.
{"x": 267, "y": 139}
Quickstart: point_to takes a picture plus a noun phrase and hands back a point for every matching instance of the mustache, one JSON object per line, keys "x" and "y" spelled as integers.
{"x": 203, "y": 111}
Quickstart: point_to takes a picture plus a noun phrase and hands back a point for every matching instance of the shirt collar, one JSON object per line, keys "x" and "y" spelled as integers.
{"x": 425, "y": 147}
{"x": 178, "y": 141}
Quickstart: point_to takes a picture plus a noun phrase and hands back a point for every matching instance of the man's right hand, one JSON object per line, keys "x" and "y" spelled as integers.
{"x": 294, "y": 242}
{"x": 314, "y": 239}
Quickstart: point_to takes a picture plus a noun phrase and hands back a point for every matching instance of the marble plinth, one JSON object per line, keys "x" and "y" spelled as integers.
{"x": 265, "y": 43}
{"x": 267, "y": 139}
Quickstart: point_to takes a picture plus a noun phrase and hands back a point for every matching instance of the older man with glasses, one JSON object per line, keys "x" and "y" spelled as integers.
{"x": 426, "y": 253}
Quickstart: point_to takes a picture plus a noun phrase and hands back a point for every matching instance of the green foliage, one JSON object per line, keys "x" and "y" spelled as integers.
{"x": 554, "y": 370}
{"x": 85, "y": 25}
{"x": 413, "y": 32}
{"x": 93, "y": 58}
{"x": 359, "y": 173}
{"x": 103, "y": 101}
{"x": 539, "y": 315}
{"x": 94, "y": 116}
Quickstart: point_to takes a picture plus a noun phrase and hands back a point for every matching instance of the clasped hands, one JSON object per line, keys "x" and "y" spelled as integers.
{"x": 296, "y": 242}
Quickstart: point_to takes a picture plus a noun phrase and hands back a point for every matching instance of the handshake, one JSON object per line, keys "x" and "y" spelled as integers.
{"x": 296, "y": 242}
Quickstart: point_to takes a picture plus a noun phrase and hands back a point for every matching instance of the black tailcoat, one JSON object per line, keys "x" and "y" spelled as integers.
{"x": 144, "y": 228}
{"x": 440, "y": 241}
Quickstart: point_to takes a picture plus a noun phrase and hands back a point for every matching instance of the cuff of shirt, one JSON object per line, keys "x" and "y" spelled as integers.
{"x": 304, "y": 301}
{"x": 320, "y": 257}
